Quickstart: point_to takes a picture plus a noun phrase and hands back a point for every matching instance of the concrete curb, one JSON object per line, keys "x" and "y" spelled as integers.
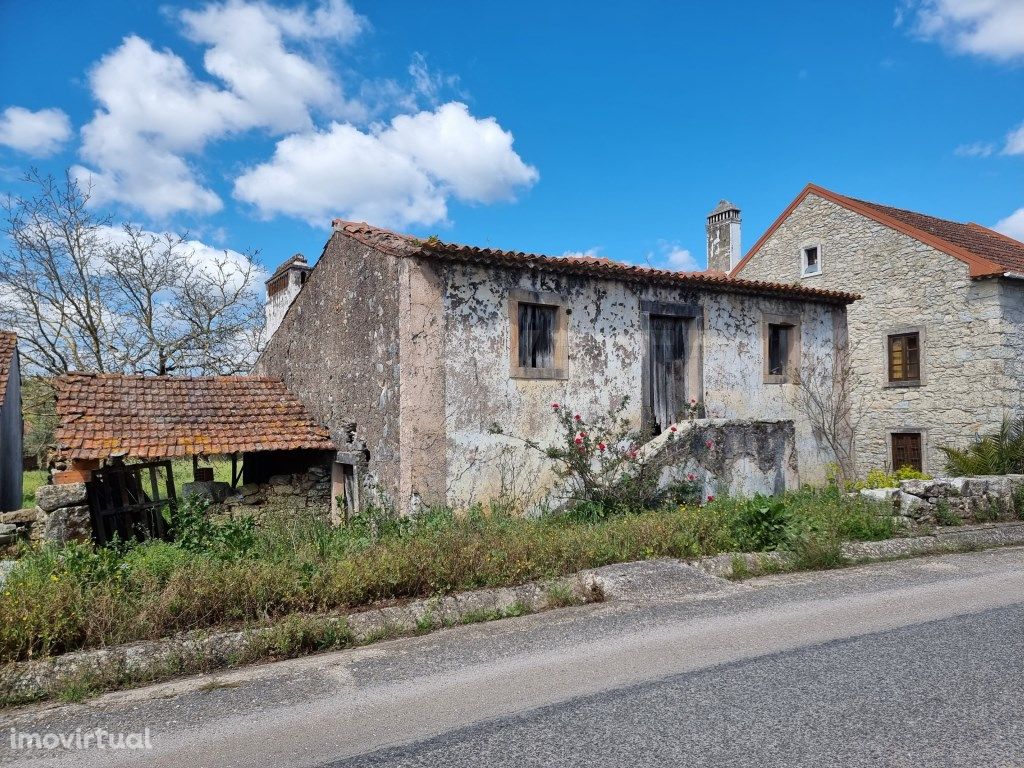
{"x": 203, "y": 651}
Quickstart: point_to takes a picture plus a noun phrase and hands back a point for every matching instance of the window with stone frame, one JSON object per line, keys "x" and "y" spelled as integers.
{"x": 781, "y": 349}
{"x": 904, "y": 358}
{"x": 906, "y": 451}
{"x": 537, "y": 334}
{"x": 810, "y": 260}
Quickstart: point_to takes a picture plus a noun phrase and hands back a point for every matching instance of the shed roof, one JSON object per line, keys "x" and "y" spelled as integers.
{"x": 406, "y": 245}
{"x": 8, "y": 352}
{"x": 104, "y": 415}
{"x": 986, "y": 252}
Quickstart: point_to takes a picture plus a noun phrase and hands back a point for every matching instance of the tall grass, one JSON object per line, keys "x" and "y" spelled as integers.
{"x": 78, "y": 596}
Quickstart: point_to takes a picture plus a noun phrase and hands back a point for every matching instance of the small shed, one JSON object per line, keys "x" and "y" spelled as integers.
{"x": 11, "y": 427}
{"x": 119, "y": 435}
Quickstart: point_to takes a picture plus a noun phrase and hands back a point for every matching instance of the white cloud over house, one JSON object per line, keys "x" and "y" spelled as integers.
{"x": 38, "y": 134}
{"x": 269, "y": 69}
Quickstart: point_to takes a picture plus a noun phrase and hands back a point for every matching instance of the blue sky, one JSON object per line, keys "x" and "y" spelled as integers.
{"x": 535, "y": 126}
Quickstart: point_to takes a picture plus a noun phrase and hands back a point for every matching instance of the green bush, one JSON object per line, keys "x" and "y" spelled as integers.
{"x": 762, "y": 523}
{"x": 999, "y": 453}
{"x": 880, "y": 478}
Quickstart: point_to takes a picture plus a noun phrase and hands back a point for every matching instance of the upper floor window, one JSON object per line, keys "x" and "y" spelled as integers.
{"x": 537, "y": 335}
{"x": 904, "y": 357}
{"x": 810, "y": 260}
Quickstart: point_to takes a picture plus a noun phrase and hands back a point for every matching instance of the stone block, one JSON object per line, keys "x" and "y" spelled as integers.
{"x": 20, "y": 516}
{"x": 68, "y": 524}
{"x": 913, "y": 506}
{"x": 51, "y": 497}
{"x": 212, "y": 491}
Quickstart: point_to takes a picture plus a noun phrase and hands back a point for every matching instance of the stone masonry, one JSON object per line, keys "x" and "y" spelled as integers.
{"x": 955, "y": 500}
{"x": 972, "y": 331}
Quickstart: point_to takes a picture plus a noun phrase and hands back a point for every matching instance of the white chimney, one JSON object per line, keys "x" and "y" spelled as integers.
{"x": 282, "y": 288}
{"x": 723, "y": 227}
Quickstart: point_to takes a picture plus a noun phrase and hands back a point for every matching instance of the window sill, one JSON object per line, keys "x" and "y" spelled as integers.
{"x": 903, "y": 384}
{"x": 530, "y": 374}
{"x": 810, "y": 274}
{"x": 775, "y": 379}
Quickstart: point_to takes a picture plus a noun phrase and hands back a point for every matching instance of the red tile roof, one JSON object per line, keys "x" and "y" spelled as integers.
{"x": 104, "y": 415}
{"x": 406, "y": 245}
{"x": 8, "y": 350}
{"x": 986, "y": 252}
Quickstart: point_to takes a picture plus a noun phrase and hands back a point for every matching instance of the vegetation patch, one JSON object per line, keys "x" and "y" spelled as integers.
{"x": 233, "y": 573}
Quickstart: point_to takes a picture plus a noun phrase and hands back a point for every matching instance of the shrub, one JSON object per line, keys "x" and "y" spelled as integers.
{"x": 761, "y": 524}
{"x": 601, "y": 467}
{"x": 194, "y": 529}
{"x": 999, "y": 453}
{"x": 880, "y": 478}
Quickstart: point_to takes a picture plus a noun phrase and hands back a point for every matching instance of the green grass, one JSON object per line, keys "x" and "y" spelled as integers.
{"x": 233, "y": 573}
{"x": 30, "y": 480}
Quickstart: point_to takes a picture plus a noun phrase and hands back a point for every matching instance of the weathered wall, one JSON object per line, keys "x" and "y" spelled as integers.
{"x": 971, "y": 369}
{"x": 606, "y": 347}
{"x": 731, "y": 457}
{"x": 337, "y": 349}
{"x": 11, "y": 441}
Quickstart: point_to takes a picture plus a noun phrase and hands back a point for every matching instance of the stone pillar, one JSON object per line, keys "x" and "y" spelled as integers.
{"x": 62, "y": 513}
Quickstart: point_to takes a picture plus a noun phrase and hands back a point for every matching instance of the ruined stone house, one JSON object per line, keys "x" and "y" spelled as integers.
{"x": 936, "y": 342}
{"x": 409, "y": 351}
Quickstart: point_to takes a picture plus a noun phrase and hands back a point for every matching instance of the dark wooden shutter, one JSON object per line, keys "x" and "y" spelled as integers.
{"x": 537, "y": 336}
{"x": 667, "y": 370}
{"x": 906, "y": 450}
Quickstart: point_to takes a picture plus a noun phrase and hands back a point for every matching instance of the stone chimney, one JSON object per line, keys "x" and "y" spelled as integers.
{"x": 282, "y": 288}
{"x": 724, "y": 251}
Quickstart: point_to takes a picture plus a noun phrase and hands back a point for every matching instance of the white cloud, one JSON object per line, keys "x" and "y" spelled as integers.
{"x": 1015, "y": 142}
{"x": 153, "y": 111}
{"x": 35, "y": 133}
{"x": 398, "y": 174}
{"x": 590, "y": 253}
{"x": 671, "y": 255}
{"x": 988, "y": 28}
{"x": 1012, "y": 225}
{"x": 975, "y": 149}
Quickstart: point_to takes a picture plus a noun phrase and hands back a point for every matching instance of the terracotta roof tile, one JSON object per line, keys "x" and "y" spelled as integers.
{"x": 104, "y": 415}
{"x": 8, "y": 350}
{"x": 406, "y": 245}
{"x": 986, "y": 252}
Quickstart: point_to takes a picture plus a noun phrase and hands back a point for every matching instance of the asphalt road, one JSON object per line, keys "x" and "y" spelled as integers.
{"x": 910, "y": 663}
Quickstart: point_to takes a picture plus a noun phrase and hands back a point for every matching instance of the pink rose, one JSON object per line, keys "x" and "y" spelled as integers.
{"x": 555, "y": 406}
{"x": 601, "y": 447}
{"x": 673, "y": 428}
{"x": 711, "y": 498}
{"x": 578, "y": 417}
{"x": 691, "y": 477}
{"x": 578, "y": 440}
{"x": 710, "y": 444}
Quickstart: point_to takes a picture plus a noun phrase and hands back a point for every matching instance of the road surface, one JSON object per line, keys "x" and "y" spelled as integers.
{"x": 917, "y": 662}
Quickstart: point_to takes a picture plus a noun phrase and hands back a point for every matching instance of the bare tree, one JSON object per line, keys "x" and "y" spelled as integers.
{"x": 827, "y": 398}
{"x": 84, "y": 295}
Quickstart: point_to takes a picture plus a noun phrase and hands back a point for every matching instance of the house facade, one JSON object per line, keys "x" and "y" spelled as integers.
{"x": 11, "y": 428}
{"x": 937, "y": 340}
{"x": 435, "y": 361}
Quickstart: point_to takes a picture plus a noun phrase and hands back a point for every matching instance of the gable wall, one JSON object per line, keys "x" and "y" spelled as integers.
{"x": 905, "y": 283}
{"x": 606, "y": 346}
{"x": 337, "y": 350}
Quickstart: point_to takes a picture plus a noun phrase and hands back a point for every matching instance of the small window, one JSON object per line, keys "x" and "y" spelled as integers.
{"x": 811, "y": 261}
{"x": 781, "y": 350}
{"x": 537, "y": 335}
{"x": 906, "y": 450}
{"x": 905, "y": 357}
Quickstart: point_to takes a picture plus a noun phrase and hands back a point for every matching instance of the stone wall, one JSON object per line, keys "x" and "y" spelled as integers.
{"x": 972, "y": 331}
{"x": 955, "y": 500}
{"x": 730, "y": 457}
{"x": 302, "y": 494}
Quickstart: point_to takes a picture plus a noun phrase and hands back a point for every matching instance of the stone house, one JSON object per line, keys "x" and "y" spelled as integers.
{"x": 11, "y": 427}
{"x": 411, "y": 351}
{"x": 936, "y": 342}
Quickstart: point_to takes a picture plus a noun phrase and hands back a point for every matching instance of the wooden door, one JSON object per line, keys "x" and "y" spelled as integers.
{"x": 906, "y": 450}
{"x": 666, "y": 392}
